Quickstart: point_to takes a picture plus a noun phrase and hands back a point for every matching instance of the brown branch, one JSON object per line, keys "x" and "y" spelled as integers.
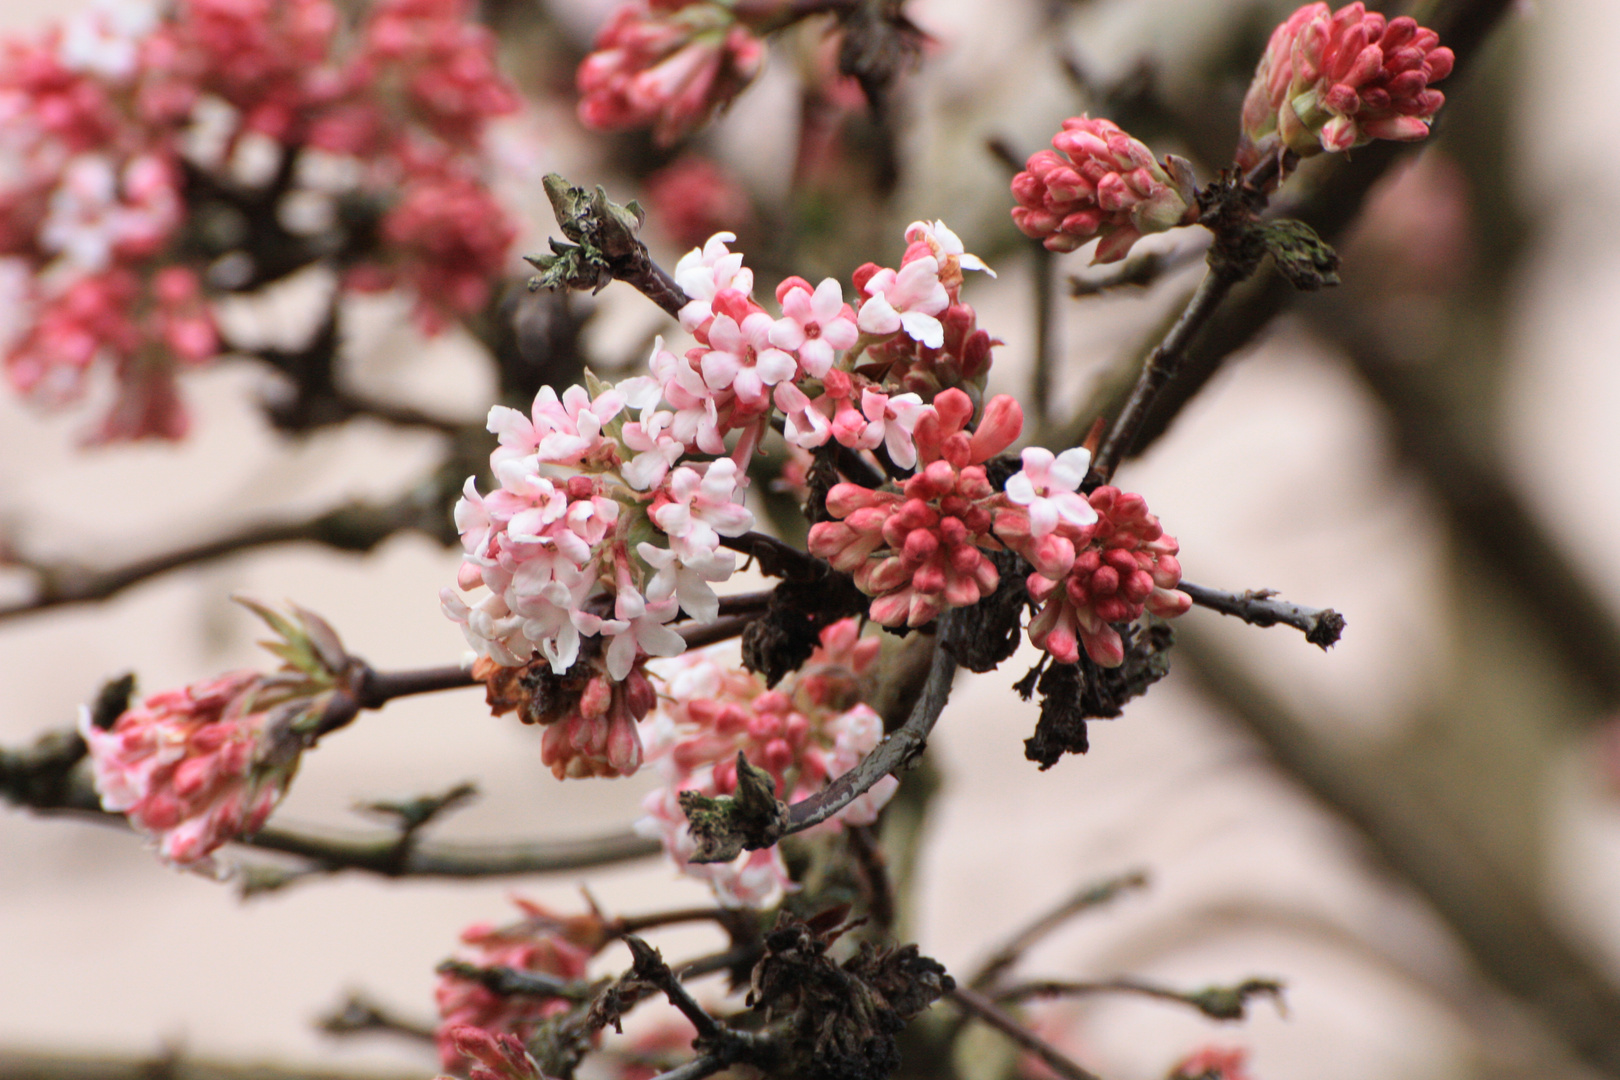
{"x": 1261, "y": 608}
{"x": 898, "y": 749}
{"x": 1164, "y": 364}
{"x": 981, "y": 1008}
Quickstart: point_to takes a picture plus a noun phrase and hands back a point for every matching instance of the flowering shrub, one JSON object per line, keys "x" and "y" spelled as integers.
{"x": 221, "y": 145}
{"x": 141, "y": 144}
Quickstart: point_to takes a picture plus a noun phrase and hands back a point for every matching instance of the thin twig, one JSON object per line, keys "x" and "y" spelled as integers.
{"x": 897, "y": 749}
{"x": 982, "y": 1008}
{"x": 649, "y": 965}
{"x": 1138, "y": 272}
{"x": 359, "y": 1015}
{"x": 1015, "y": 947}
{"x": 510, "y": 982}
{"x": 1215, "y": 1002}
{"x": 1260, "y": 608}
{"x": 1161, "y": 368}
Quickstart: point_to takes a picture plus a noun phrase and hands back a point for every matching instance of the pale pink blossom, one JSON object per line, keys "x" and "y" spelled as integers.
{"x": 558, "y": 431}
{"x": 741, "y": 358}
{"x": 702, "y": 507}
{"x": 935, "y": 238}
{"x": 909, "y": 299}
{"x": 1048, "y": 487}
{"x": 816, "y": 326}
{"x": 704, "y": 272}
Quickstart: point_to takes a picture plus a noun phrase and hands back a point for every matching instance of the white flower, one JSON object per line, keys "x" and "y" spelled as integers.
{"x": 1048, "y": 487}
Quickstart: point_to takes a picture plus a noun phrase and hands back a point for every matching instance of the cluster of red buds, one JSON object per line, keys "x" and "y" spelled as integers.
{"x": 921, "y": 551}
{"x": 1332, "y": 81}
{"x": 1098, "y": 182}
{"x": 198, "y": 767}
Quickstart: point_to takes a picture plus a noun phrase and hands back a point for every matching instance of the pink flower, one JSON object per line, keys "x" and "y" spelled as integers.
{"x": 1335, "y": 81}
{"x": 1213, "y": 1063}
{"x": 559, "y": 431}
{"x": 908, "y": 299}
{"x": 194, "y": 768}
{"x": 741, "y": 358}
{"x": 448, "y": 239}
{"x": 1097, "y": 181}
{"x": 704, "y": 272}
{"x": 668, "y": 64}
{"x": 814, "y": 325}
{"x": 1048, "y": 488}
{"x": 496, "y": 1057}
{"x": 809, "y": 730}
{"x": 936, "y": 239}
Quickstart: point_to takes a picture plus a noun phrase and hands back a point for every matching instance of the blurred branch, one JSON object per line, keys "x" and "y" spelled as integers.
{"x": 1506, "y": 931}
{"x": 1258, "y": 607}
{"x": 1013, "y": 950}
{"x": 981, "y": 1008}
{"x": 169, "y": 1065}
{"x": 357, "y": 1014}
{"x": 356, "y": 527}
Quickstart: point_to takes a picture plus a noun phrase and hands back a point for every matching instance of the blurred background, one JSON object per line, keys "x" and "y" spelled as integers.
{"x": 1418, "y": 831}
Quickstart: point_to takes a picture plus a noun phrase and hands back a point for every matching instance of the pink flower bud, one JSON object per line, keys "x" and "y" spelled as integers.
{"x": 1330, "y": 82}
{"x": 1097, "y": 181}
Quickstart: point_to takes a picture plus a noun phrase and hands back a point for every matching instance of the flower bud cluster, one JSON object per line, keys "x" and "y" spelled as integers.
{"x": 811, "y": 729}
{"x": 1332, "y": 81}
{"x": 1098, "y": 182}
{"x": 107, "y": 114}
{"x": 667, "y": 64}
{"x": 1098, "y": 559}
{"x": 921, "y": 551}
{"x": 197, "y": 767}
{"x": 543, "y": 943}
{"x": 191, "y": 768}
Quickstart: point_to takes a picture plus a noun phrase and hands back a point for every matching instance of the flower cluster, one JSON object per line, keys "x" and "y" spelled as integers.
{"x": 1332, "y": 81}
{"x": 1098, "y": 559}
{"x": 1098, "y": 182}
{"x": 543, "y": 943}
{"x": 494, "y": 1057}
{"x": 667, "y": 64}
{"x": 127, "y": 128}
{"x": 1213, "y": 1063}
{"x": 195, "y": 768}
{"x": 921, "y": 551}
{"x": 608, "y": 524}
{"x": 811, "y": 729}
{"x": 192, "y": 768}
